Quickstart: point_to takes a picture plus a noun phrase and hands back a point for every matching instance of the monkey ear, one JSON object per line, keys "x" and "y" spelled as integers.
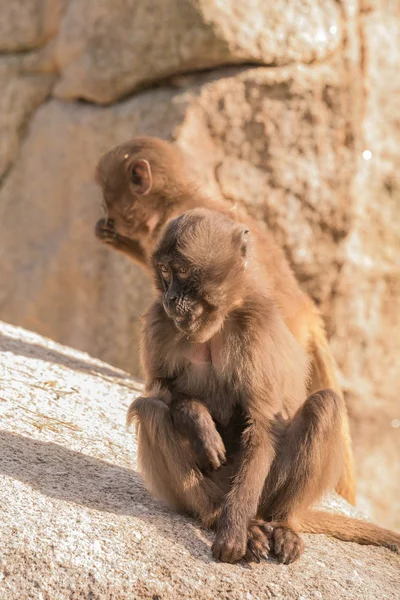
{"x": 242, "y": 242}
{"x": 141, "y": 177}
{"x": 244, "y": 248}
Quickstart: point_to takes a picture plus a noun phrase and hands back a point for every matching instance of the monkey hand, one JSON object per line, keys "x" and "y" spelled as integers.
{"x": 194, "y": 422}
{"x": 105, "y": 231}
{"x": 230, "y": 545}
{"x": 209, "y": 449}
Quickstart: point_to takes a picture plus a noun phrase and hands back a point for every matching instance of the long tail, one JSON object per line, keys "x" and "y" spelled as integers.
{"x": 323, "y": 376}
{"x": 349, "y": 529}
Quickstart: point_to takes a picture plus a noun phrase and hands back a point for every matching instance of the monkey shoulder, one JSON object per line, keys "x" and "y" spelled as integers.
{"x": 260, "y": 343}
{"x": 252, "y": 323}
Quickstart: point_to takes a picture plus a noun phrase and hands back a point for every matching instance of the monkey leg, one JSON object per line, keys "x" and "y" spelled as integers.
{"x": 168, "y": 464}
{"x": 308, "y": 463}
{"x": 169, "y": 469}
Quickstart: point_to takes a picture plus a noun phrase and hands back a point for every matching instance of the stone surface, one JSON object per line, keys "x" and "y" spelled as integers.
{"x": 78, "y": 523}
{"x": 21, "y": 94}
{"x": 27, "y": 24}
{"x": 106, "y": 48}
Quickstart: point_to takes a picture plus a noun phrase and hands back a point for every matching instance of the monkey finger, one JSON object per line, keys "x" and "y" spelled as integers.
{"x": 266, "y": 528}
{"x": 255, "y": 552}
{"x": 214, "y": 460}
{"x": 214, "y": 445}
{"x": 252, "y": 555}
{"x": 260, "y": 530}
{"x": 105, "y": 229}
{"x": 257, "y": 543}
{"x": 222, "y": 456}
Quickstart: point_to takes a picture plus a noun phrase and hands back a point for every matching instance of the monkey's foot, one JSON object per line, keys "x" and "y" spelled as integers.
{"x": 105, "y": 231}
{"x": 258, "y": 538}
{"x": 286, "y": 544}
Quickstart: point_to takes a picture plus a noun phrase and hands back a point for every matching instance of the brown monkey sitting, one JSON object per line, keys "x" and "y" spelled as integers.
{"x": 225, "y": 430}
{"x": 145, "y": 184}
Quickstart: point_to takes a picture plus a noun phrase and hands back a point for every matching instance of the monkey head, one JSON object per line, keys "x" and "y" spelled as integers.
{"x": 141, "y": 181}
{"x": 200, "y": 271}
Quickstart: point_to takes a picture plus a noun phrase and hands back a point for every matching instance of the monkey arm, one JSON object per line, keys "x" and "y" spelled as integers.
{"x": 131, "y": 248}
{"x": 193, "y": 421}
{"x": 242, "y": 500}
{"x": 190, "y": 418}
{"x": 106, "y": 233}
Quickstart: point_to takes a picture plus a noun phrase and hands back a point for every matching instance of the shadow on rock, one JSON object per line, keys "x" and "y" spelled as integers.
{"x": 70, "y": 476}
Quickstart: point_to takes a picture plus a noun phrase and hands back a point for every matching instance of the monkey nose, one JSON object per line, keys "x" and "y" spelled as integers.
{"x": 172, "y": 297}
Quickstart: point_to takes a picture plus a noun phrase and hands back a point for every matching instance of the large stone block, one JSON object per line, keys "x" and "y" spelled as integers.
{"x": 27, "y": 24}
{"x": 256, "y": 130}
{"x": 21, "y": 93}
{"x": 108, "y": 48}
{"x": 365, "y": 306}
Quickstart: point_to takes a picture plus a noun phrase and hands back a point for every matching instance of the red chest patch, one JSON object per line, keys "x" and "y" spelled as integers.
{"x": 199, "y": 354}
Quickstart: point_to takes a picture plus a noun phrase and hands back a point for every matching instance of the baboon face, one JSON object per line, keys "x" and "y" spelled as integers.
{"x": 199, "y": 266}
{"x": 140, "y": 182}
{"x": 126, "y": 182}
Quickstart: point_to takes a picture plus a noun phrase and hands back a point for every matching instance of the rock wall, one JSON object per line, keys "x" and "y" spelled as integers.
{"x": 291, "y": 108}
{"x": 79, "y": 524}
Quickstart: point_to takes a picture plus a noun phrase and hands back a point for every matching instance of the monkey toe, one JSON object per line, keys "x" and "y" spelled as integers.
{"x": 286, "y": 545}
{"x": 258, "y": 535}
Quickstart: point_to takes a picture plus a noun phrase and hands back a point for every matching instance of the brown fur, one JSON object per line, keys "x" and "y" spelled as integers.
{"x": 145, "y": 184}
{"x": 225, "y": 430}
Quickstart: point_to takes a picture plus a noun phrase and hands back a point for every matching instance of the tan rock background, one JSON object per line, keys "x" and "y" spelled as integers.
{"x": 290, "y": 107}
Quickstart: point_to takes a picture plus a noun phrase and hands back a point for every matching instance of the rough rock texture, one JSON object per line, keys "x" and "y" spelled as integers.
{"x": 78, "y": 523}
{"x": 27, "y": 24}
{"x": 310, "y": 144}
{"x": 251, "y": 166}
{"x": 106, "y": 48}
{"x": 21, "y": 94}
{"x": 364, "y": 308}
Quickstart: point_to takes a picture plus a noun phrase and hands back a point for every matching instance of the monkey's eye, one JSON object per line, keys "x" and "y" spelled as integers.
{"x": 183, "y": 273}
{"x": 165, "y": 271}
